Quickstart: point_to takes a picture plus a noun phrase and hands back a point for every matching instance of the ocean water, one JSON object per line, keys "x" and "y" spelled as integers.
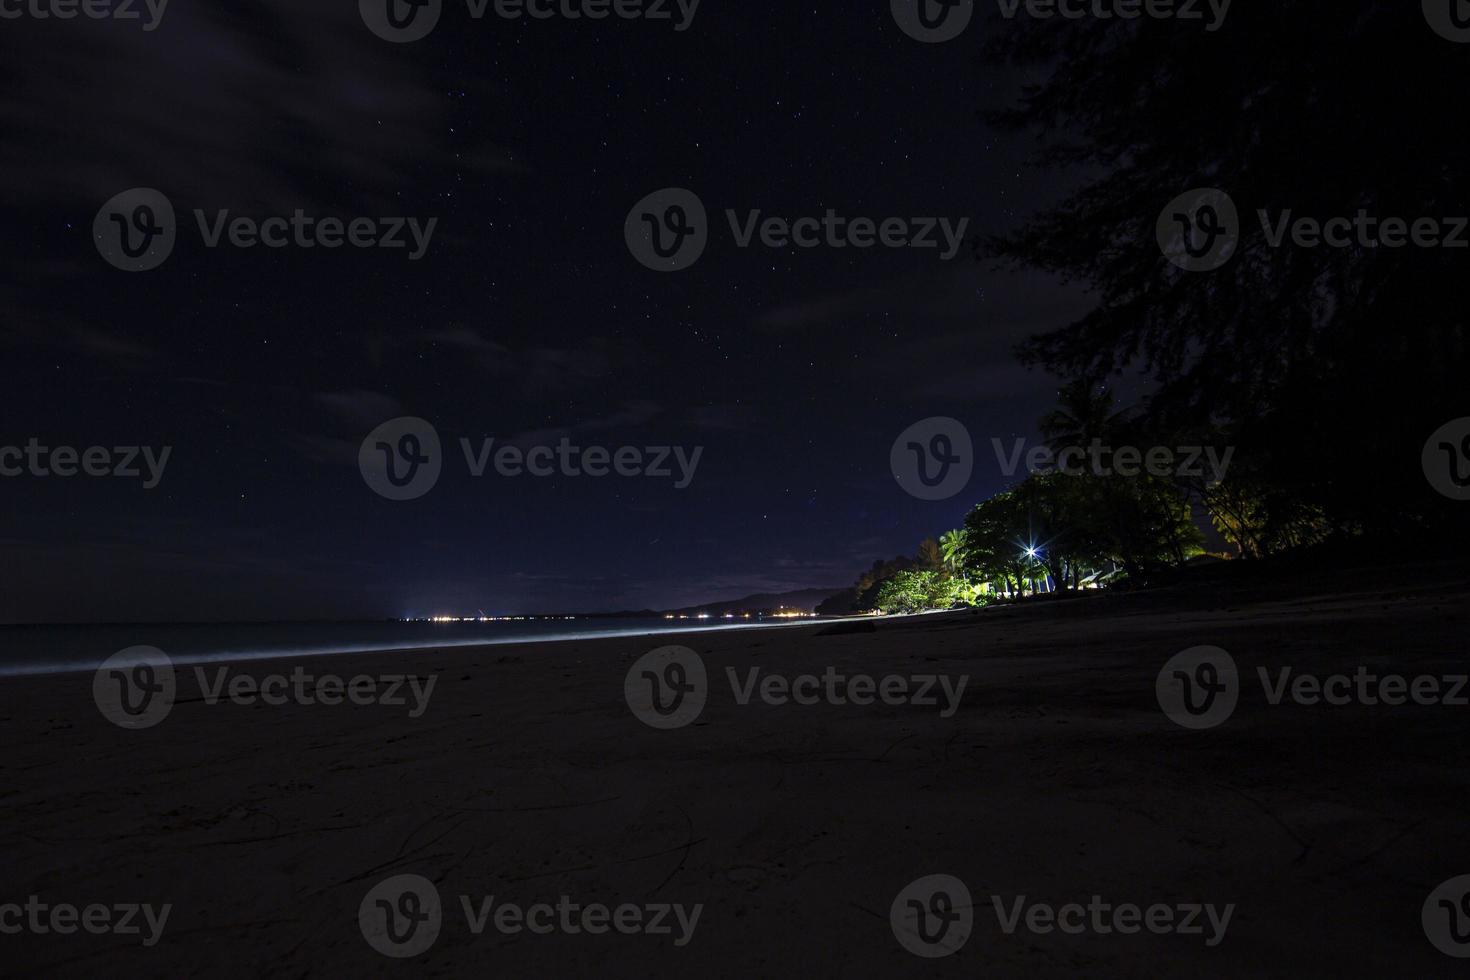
{"x": 56, "y": 649}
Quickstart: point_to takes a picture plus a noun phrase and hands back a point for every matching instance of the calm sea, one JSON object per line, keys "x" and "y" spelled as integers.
{"x": 54, "y": 649}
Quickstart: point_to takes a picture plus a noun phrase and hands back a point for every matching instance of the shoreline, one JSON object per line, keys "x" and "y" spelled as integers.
{"x": 232, "y": 656}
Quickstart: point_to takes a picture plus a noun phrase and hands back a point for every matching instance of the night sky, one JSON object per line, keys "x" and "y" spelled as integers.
{"x": 526, "y": 320}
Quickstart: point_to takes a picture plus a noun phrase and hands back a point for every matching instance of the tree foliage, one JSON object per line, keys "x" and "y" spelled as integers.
{"x": 1328, "y": 366}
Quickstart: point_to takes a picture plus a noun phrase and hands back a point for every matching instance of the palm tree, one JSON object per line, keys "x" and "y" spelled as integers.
{"x": 1084, "y": 412}
{"x": 952, "y": 546}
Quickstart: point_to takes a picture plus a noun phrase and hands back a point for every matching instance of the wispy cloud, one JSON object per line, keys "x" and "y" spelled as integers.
{"x": 268, "y": 105}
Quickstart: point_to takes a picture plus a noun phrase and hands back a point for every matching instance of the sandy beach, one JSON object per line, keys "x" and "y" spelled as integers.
{"x": 793, "y": 827}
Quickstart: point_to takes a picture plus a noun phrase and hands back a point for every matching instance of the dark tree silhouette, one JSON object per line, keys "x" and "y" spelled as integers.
{"x": 1328, "y": 367}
